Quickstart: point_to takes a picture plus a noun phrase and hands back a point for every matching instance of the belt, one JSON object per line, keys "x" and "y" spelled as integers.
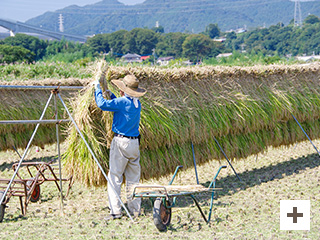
{"x": 123, "y": 136}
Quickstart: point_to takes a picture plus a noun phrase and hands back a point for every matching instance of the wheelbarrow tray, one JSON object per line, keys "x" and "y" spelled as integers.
{"x": 19, "y": 188}
{"x": 164, "y": 194}
{"x": 29, "y": 188}
{"x": 44, "y": 172}
{"x": 152, "y": 191}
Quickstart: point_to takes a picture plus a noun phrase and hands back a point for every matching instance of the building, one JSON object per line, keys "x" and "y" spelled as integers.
{"x": 131, "y": 57}
{"x": 144, "y": 58}
{"x": 237, "y": 31}
{"x": 308, "y": 58}
{"x": 163, "y": 61}
{"x": 224, "y": 55}
{"x": 220, "y": 39}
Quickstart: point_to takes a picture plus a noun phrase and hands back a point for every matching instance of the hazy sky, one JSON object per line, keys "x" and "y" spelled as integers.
{"x": 22, "y": 10}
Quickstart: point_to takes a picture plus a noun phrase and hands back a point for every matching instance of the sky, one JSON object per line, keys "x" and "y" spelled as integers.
{"x": 22, "y": 10}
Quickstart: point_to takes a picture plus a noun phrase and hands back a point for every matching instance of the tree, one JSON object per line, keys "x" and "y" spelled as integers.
{"x": 231, "y": 35}
{"x": 212, "y": 30}
{"x": 117, "y": 42}
{"x": 229, "y": 40}
{"x": 33, "y": 44}
{"x": 171, "y": 44}
{"x": 311, "y": 19}
{"x": 12, "y": 54}
{"x": 99, "y": 43}
{"x": 62, "y": 46}
{"x": 253, "y": 40}
{"x": 140, "y": 41}
{"x": 197, "y": 46}
{"x": 159, "y": 29}
{"x": 281, "y": 40}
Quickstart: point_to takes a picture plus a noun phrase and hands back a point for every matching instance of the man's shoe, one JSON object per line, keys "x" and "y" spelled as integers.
{"x": 112, "y": 217}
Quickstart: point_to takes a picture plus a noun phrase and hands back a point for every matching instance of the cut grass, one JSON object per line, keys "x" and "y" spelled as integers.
{"x": 247, "y": 210}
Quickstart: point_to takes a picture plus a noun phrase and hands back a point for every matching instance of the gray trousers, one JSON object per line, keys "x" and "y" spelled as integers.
{"x": 124, "y": 160}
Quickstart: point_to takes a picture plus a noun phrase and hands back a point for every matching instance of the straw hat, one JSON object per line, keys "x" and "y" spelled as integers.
{"x": 130, "y": 85}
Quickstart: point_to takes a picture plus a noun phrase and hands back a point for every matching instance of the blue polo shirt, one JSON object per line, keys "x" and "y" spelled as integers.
{"x": 126, "y": 117}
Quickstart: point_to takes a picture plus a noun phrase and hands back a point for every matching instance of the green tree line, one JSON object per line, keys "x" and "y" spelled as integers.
{"x": 277, "y": 40}
{"x": 139, "y": 40}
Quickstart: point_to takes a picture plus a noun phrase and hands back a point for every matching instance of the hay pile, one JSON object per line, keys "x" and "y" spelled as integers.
{"x": 29, "y": 105}
{"x": 245, "y": 109}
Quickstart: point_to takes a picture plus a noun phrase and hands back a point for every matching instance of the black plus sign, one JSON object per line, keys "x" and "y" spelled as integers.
{"x": 295, "y": 215}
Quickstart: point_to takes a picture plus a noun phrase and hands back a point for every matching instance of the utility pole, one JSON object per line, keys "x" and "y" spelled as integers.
{"x": 297, "y": 14}
{"x": 154, "y": 56}
{"x": 61, "y": 28}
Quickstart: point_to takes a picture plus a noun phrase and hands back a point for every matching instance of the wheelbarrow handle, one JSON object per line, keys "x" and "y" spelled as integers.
{"x": 212, "y": 184}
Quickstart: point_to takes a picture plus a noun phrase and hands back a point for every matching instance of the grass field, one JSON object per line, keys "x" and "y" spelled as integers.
{"x": 248, "y": 210}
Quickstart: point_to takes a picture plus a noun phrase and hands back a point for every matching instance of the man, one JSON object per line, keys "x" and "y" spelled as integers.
{"x": 124, "y": 150}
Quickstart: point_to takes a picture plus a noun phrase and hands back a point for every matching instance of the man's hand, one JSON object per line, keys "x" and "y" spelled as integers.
{"x": 100, "y": 76}
{"x": 108, "y": 92}
{"x": 96, "y": 84}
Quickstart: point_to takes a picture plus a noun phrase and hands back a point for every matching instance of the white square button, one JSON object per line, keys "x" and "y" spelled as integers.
{"x": 294, "y": 214}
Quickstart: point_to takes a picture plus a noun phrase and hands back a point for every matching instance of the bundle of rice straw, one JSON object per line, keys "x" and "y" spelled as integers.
{"x": 246, "y": 109}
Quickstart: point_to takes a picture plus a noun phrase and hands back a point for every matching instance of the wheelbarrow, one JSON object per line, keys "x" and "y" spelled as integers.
{"x": 165, "y": 198}
{"x": 29, "y": 188}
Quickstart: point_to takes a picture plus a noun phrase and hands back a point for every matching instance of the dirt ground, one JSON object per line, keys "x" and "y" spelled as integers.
{"x": 242, "y": 210}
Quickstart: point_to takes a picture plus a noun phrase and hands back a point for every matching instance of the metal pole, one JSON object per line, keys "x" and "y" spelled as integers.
{"x": 21, "y": 87}
{"x": 16, "y": 151}
{"x": 93, "y": 155}
{"x": 195, "y": 165}
{"x": 213, "y": 186}
{"x": 227, "y": 159}
{"x": 198, "y": 206}
{"x": 306, "y": 134}
{"x": 26, "y": 150}
{"x": 34, "y": 121}
{"x": 58, "y": 147}
{"x": 175, "y": 173}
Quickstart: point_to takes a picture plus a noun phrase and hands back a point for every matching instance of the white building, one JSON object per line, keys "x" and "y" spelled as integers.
{"x": 163, "y": 61}
{"x": 131, "y": 57}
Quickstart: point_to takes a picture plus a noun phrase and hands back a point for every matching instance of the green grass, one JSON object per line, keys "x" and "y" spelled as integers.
{"x": 42, "y": 70}
{"x": 248, "y": 210}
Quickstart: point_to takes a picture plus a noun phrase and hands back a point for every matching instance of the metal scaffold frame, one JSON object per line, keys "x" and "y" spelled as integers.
{"x": 54, "y": 93}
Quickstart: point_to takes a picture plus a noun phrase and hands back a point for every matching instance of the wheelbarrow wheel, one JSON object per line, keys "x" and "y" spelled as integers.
{"x": 161, "y": 214}
{"x": 35, "y": 195}
{"x": 2, "y": 207}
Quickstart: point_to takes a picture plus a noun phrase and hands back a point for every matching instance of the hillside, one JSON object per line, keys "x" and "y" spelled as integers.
{"x": 174, "y": 15}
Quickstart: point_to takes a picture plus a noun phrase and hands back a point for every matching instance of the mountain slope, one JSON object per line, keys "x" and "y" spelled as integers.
{"x": 174, "y": 15}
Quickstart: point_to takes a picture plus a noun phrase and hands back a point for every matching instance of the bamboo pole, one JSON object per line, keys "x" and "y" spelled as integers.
{"x": 57, "y": 121}
{"x": 21, "y": 87}
{"x": 58, "y": 146}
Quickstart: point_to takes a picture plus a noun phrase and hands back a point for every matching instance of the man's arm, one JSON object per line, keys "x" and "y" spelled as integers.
{"x": 104, "y": 104}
